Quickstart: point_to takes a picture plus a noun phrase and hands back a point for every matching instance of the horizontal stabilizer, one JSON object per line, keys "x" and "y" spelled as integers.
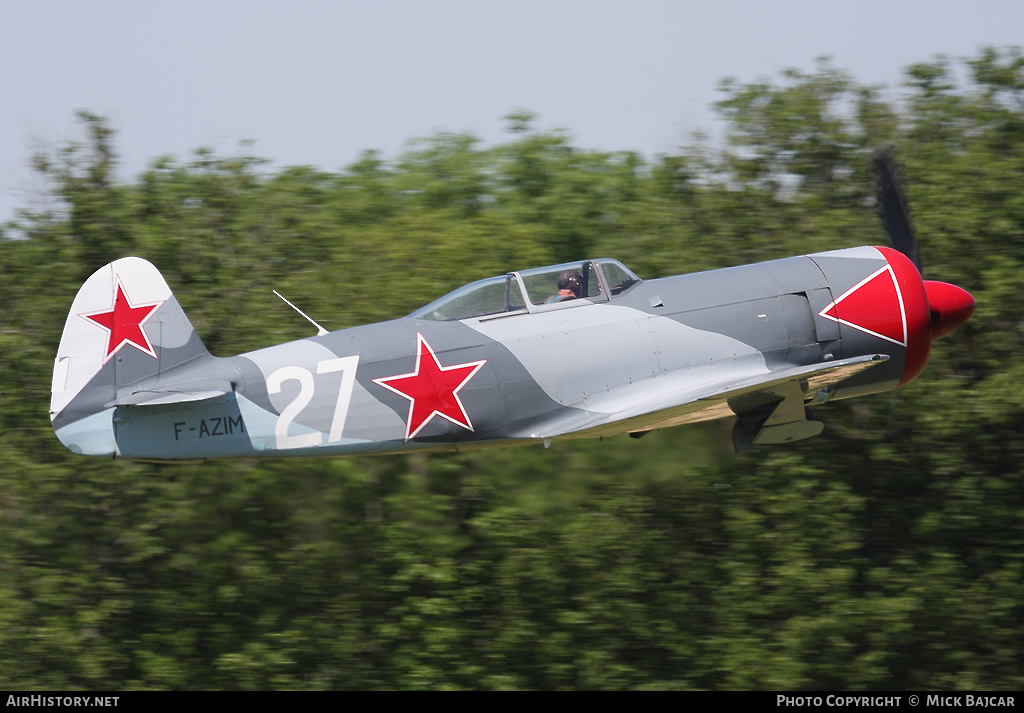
{"x": 176, "y": 395}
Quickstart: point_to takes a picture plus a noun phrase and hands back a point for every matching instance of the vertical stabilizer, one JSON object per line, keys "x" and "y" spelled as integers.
{"x": 125, "y": 329}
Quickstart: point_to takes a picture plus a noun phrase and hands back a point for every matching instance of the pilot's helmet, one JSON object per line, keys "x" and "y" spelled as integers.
{"x": 571, "y": 280}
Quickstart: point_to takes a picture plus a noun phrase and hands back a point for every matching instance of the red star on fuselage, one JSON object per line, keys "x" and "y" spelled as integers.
{"x": 874, "y": 305}
{"x": 124, "y": 324}
{"x": 432, "y": 389}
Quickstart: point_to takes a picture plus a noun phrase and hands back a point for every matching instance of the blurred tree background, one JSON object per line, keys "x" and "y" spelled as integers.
{"x": 886, "y": 554}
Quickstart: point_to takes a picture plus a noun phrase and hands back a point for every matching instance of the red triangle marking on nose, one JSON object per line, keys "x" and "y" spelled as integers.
{"x": 874, "y": 305}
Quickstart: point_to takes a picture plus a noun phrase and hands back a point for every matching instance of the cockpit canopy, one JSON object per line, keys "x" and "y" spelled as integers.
{"x": 533, "y": 290}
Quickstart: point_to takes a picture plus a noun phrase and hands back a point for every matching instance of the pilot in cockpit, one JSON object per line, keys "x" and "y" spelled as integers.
{"x": 570, "y": 286}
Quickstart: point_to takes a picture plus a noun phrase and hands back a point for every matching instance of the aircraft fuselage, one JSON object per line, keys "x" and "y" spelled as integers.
{"x": 507, "y": 378}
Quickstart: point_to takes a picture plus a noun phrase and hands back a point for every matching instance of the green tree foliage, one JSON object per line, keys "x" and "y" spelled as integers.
{"x": 885, "y": 554}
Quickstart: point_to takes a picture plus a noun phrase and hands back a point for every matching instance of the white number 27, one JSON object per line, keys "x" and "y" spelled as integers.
{"x": 307, "y": 387}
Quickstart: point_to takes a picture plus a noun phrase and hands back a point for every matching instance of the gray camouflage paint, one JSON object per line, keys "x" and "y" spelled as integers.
{"x": 580, "y": 368}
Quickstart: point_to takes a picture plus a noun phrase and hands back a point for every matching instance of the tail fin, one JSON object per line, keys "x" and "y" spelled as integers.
{"x": 124, "y": 331}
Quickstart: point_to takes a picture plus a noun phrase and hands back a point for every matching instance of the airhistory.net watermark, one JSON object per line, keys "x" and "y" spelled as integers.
{"x": 62, "y": 701}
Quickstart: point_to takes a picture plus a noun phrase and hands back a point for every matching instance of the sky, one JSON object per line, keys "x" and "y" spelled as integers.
{"x": 319, "y": 82}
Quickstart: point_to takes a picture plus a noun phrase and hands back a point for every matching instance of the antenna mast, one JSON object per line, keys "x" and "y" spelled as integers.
{"x": 320, "y": 331}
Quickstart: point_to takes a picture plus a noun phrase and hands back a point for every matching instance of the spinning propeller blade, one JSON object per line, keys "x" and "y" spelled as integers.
{"x": 893, "y": 210}
{"x": 950, "y": 305}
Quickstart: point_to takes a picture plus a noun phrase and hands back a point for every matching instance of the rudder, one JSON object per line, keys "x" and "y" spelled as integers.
{"x": 124, "y": 331}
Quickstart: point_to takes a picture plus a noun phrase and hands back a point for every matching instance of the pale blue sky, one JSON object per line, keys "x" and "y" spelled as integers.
{"x": 319, "y": 82}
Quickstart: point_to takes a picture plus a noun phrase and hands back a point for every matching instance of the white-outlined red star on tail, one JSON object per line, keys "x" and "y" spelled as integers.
{"x": 432, "y": 389}
{"x": 123, "y": 323}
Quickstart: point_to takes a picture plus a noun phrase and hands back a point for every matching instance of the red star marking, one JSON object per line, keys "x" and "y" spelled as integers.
{"x": 124, "y": 324}
{"x": 432, "y": 389}
{"x": 874, "y": 305}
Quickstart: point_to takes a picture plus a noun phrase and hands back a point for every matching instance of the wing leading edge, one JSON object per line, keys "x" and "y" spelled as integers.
{"x": 780, "y": 396}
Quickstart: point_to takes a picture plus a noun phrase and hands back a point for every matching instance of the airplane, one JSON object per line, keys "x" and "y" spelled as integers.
{"x": 577, "y": 350}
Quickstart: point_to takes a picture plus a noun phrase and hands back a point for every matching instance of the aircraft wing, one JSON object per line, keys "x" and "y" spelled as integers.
{"x": 666, "y": 401}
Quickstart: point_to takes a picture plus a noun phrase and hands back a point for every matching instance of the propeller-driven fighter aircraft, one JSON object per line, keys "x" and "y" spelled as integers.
{"x": 578, "y": 350}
